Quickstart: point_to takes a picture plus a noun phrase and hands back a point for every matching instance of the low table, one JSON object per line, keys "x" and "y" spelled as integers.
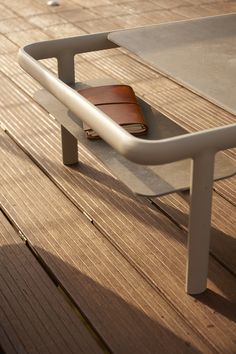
{"x": 198, "y": 54}
{"x": 168, "y": 159}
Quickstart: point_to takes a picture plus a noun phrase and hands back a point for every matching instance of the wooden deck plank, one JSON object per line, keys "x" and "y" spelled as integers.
{"x": 223, "y": 232}
{"x": 226, "y": 188}
{"x": 219, "y": 218}
{"x": 9, "y": 340}
{"x": 129, "y": 314}
{"x": 35, "y": 317}
{"x": 91, "y": 186}
{"x": 186, "y": 108}
{"x": 154, "y": 245}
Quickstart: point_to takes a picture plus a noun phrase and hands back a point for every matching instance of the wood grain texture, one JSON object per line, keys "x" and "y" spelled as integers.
{"x": 128, "y": 313}
{"x": 223, "y": 231}
{"x": 125, "y": 306}
{"x": 147, "y": 239}
{"x": 35, "y": 317}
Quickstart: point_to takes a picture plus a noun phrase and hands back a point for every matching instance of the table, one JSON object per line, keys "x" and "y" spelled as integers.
{"x": 118, "y": 147}
{"x": 200, "y": 54}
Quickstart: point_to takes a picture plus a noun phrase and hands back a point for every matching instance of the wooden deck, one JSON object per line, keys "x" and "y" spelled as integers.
{"x": 86, "y": 266}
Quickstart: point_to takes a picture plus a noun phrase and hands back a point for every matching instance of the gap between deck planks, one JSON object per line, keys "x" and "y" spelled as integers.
{"x": 35, "y": 317}
{"x": 223, "y": 231}
{"x": 145, "y": 237}
{"x": 129, "y": 314}
{"x": 223, "y": 220}
{"x": 224, "y": 187}
{"x": 186, "y": 108}
{"x": 85, "y": 203}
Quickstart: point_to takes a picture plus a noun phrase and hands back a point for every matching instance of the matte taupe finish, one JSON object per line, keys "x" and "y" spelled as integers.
{"x": 201, "y": 147}
{"x": 200, "y": 54}
{"x": 135, "y": 149}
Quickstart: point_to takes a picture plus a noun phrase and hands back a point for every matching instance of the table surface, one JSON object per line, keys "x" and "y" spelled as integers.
{"x": 200, "y": 54}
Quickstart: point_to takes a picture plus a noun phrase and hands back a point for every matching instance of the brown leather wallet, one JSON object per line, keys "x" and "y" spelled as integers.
{"x": 118, "y": 102}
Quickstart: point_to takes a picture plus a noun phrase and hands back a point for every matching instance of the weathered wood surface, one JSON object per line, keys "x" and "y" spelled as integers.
{"x": 223, "y": 231}
{"x": 44, "y": 134}
{"x": 35, "y": 317}
{"x": 146, "y": 238}
{"x": 129, "y": 277}
{"x": 129, "y": 314}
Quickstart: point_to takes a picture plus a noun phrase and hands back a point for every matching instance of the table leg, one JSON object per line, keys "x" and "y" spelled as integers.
{"x": 69, "y": 147}
{"x": 66, "y": 73}
{"x": 200, "y": 223}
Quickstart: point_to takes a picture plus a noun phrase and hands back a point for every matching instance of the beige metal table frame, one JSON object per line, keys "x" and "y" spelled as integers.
{"x": 200, "y": 147}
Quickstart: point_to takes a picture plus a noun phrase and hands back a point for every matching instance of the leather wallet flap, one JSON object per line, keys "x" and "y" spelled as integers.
{"x": 122, "y": 113}
{"x": 109, "y": 94}
{"x": 119, "y": 103}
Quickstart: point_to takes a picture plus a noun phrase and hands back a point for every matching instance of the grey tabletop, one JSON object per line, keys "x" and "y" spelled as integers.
{"x": 199, "y": 53}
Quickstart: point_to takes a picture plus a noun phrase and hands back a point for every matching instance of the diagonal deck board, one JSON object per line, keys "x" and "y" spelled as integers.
{"x": 35, "y": 318}
{"x": 91, "y": 187}
{"x": 129, "y": 314}
{"x": 223, "y": 232}
{"x": 187, "y": 109}
{"x": 78, "y": 186}
{"x": 43, "y": 123}
{"x": 142, "y": 234}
